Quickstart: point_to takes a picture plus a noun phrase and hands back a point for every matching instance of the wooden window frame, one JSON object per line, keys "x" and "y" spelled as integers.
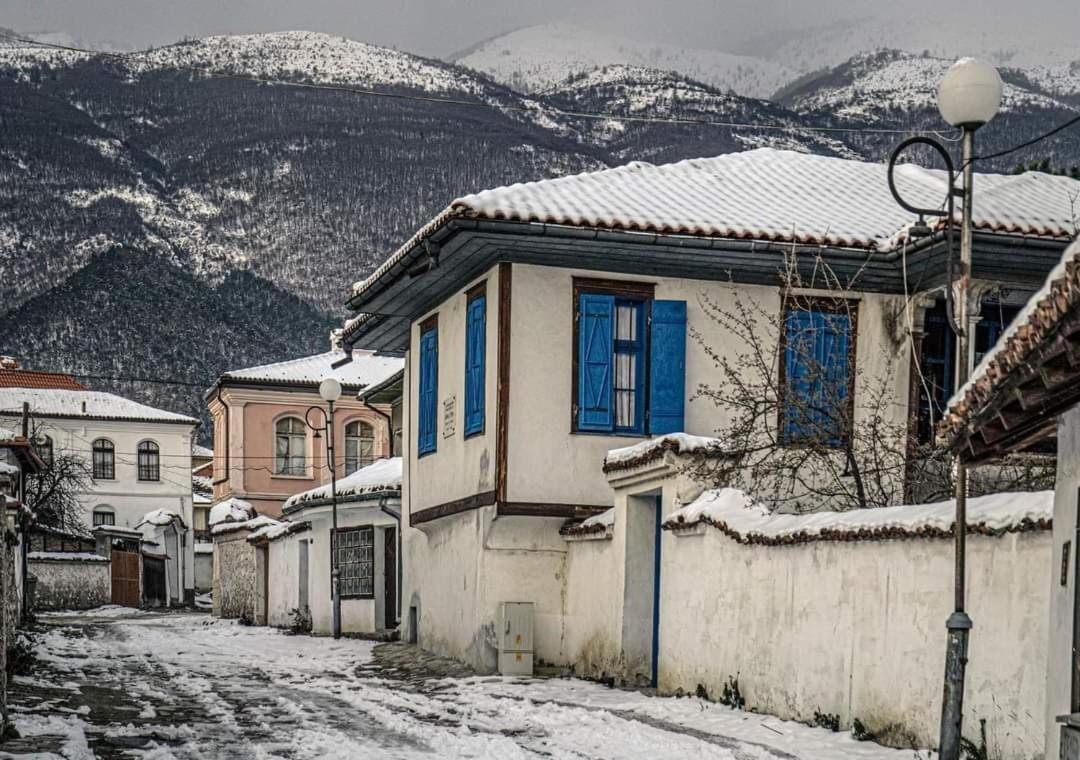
{"x": 628, "y": 289}
{"x": 141, "y": 467}
{"x": 308, "y": 459}
{"x": 95, "y": 451}
{"x": 359, "y": 458}
{"x": 829, "y": 306}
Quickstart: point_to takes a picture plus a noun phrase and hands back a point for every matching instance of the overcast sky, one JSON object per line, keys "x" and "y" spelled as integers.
{"x": 440, "y": 27}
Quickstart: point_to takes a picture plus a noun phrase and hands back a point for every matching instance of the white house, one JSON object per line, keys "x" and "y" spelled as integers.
{"x": 548, "y": 323}
{"x": 139, "y": 457}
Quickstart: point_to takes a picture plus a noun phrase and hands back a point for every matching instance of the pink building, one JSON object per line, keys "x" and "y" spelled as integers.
{"x": 264, "y": 452}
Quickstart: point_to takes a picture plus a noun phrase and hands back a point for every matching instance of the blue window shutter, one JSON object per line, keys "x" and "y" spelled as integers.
{"x": 667, "y": 367}
{"x": 837, "y": 331}
{"x": 798, "y": 331}
{"x": 428, "y": 391}
{"x": 595, "y": 325}
{"x": 475, "y": 335}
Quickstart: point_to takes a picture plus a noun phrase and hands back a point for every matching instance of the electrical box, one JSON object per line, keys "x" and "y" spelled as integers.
{"x": 515, "y": 634}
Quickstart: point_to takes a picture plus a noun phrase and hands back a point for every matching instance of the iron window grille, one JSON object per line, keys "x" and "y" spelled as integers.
{"x": 354, "y": 550}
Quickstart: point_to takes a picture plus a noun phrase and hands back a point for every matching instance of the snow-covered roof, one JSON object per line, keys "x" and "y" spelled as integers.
{"x": 762, "y": 194}
{"x": 231, "y": 510}
{"x": 54, "y": 402}
{"x": 1059, "y": 295}
{"x": 746, "y": 520}
{"x": 160, "y": 518}
{"x": 627, "y": 457}
{"x": 366, "y": 368}
{"x": 380, "y": 475}
{"x": 202, "y": 452}
{"x": 601, "y": 523}
{"x": 204, "y": 547}
{"x": 273, "y": 532}
{"x": 67, "y": 556}
{"x": 254, "y": 524}
{"x": 8, "y": 469}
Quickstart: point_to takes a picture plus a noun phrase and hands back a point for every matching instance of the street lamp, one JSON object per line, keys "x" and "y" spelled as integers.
{"x": 330, "y": 391}
{"x": 968, "y": 97}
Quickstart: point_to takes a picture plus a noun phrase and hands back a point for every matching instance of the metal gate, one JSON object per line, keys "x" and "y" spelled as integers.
{"x": 390, "y": 569}
{"x": 125, "y": 578}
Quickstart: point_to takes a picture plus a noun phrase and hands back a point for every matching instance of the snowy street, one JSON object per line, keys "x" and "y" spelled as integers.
{"x": 113, "y": 684}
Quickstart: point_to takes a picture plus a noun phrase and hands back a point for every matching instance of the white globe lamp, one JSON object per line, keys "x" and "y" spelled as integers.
{"x": 970, "y": 93}
{"x": 330, "y": 389}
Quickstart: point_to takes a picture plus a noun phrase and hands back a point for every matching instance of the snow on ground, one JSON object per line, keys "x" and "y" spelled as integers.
{"x": 189, "y": 686}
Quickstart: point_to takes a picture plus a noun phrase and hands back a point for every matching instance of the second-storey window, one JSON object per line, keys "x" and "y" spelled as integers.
{"x": 104, "y": 459}
{"x": 817, "y": 366}
{"x": 149, "y": 461}
{"x": 359, "y": 446}
{"x": 630, "y": 361}
{"x": 475, "y": 345}
{"x": 427, "y": 406}
{"x": 290, "y": 447}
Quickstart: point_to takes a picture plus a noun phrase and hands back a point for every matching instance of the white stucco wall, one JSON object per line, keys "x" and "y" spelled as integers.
{"x": 460, "y": 466}
{"x": 1063, "y": 597}
{"x": 858, "y": 629}
{"x": 357, "y": 615}
{"x": 283, "y": 571}
{"x": 541, "y": 375}
{"x": 70, "y": 584}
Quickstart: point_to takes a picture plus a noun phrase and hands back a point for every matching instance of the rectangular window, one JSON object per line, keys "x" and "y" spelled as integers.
{"x": 817, "y": 361}
{"x": 475, "y": 344}
{"x": 200, "y": 519}
{"x": 427, "y": 413}
{"x": 354, "y": 550}
{"x": 102, "y": 517}
{"x": 630, "y": 360}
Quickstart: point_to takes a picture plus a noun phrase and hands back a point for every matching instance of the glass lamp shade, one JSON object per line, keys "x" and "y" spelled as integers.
{"x": 330, "y": 389}
{"x": 970, "y": 93}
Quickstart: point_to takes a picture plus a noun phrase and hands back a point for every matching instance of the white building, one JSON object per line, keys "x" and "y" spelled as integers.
{"x": 548, "y": 323}
{"x": 139, "y": 457}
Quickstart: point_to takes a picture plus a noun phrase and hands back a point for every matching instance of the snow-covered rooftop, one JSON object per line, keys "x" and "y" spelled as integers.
{"x": 366, "y": 368}
{"x": 763, "y": 194}
{"x": 749, "y": 521}
{"x": 53, "y": 402}
{"x": 231, "y": 510}
{"x": 201, "y": 452}
{"x": 254, "y": 524}
{"x": 381, "y": 475}
{"x": 1037, "y": 320}
{"x": 67, "y": 556}
{"x": 160, "y": 517}
{"x": 627, "y": 457}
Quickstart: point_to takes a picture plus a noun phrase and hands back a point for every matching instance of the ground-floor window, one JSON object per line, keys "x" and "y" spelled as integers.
{"x": 104, "y": 516}
{"x": 355, "y": 557}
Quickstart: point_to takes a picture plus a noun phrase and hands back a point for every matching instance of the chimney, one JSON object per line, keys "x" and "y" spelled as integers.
{"x": 9, "y": 362}
{"x": 335, "y": 339}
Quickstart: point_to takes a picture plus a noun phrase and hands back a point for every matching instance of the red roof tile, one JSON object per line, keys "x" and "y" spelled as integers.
{"x": 28, "y": 378}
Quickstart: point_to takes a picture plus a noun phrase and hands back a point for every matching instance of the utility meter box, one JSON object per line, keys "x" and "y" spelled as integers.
{"x": 515, "y": 633}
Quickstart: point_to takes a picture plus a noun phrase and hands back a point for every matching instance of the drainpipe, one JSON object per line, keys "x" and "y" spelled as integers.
{"x": 389, "y": 422}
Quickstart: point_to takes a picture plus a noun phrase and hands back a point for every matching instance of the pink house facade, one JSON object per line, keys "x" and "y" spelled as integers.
{"x": 264, "y": 451}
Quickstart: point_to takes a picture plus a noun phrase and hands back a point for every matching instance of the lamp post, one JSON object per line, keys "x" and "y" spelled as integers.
{"x": 330, "y": 391}
{"x": 968, "y": 97}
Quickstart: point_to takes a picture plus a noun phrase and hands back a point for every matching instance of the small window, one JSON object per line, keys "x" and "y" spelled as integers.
{"x": 359, "y": 446}
{"x": 475, "y": 348}
{"x": 290, "y": 447}
{"x": 427, "y": 413}
{"x": 149, "y": 461}
{"x": 355, "y": 555}
{"x": 104, "y": 516}
{"x": 104, "y": 457}
{"x": 817, "y": 375}
{"x": 43, "y": 445}
{"x": 200, "y": 518}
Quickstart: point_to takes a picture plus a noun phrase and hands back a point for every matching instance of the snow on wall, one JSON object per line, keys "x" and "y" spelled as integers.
{"x": 71, "y": 583}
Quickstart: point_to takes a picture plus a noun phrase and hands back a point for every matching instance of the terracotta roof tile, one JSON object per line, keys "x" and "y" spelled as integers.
{"x": 28, "y": 378}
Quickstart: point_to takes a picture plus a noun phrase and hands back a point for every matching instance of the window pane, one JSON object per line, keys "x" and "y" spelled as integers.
{"x": 354, "y": 554}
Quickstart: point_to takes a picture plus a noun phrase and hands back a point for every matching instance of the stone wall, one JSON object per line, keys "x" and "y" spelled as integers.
{"x": 234, "y": 576}
{"x": 71, "y": 584}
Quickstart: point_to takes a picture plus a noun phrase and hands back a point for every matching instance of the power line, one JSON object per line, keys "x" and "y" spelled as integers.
{"x": 1029, "y": 143}
{"x": 590, "y": 115}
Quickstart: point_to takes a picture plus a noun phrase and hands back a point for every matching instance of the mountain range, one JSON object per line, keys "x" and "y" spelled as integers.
{"x": 170, "y": 214}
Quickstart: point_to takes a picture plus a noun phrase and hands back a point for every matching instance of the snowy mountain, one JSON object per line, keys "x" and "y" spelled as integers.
{"x": 537, "y": 58}
{"x": 165, "y": 214}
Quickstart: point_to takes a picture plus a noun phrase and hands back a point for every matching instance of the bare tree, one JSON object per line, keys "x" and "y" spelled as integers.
{"x": 53, "y": 495}
{"x": 806, "y": 425}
